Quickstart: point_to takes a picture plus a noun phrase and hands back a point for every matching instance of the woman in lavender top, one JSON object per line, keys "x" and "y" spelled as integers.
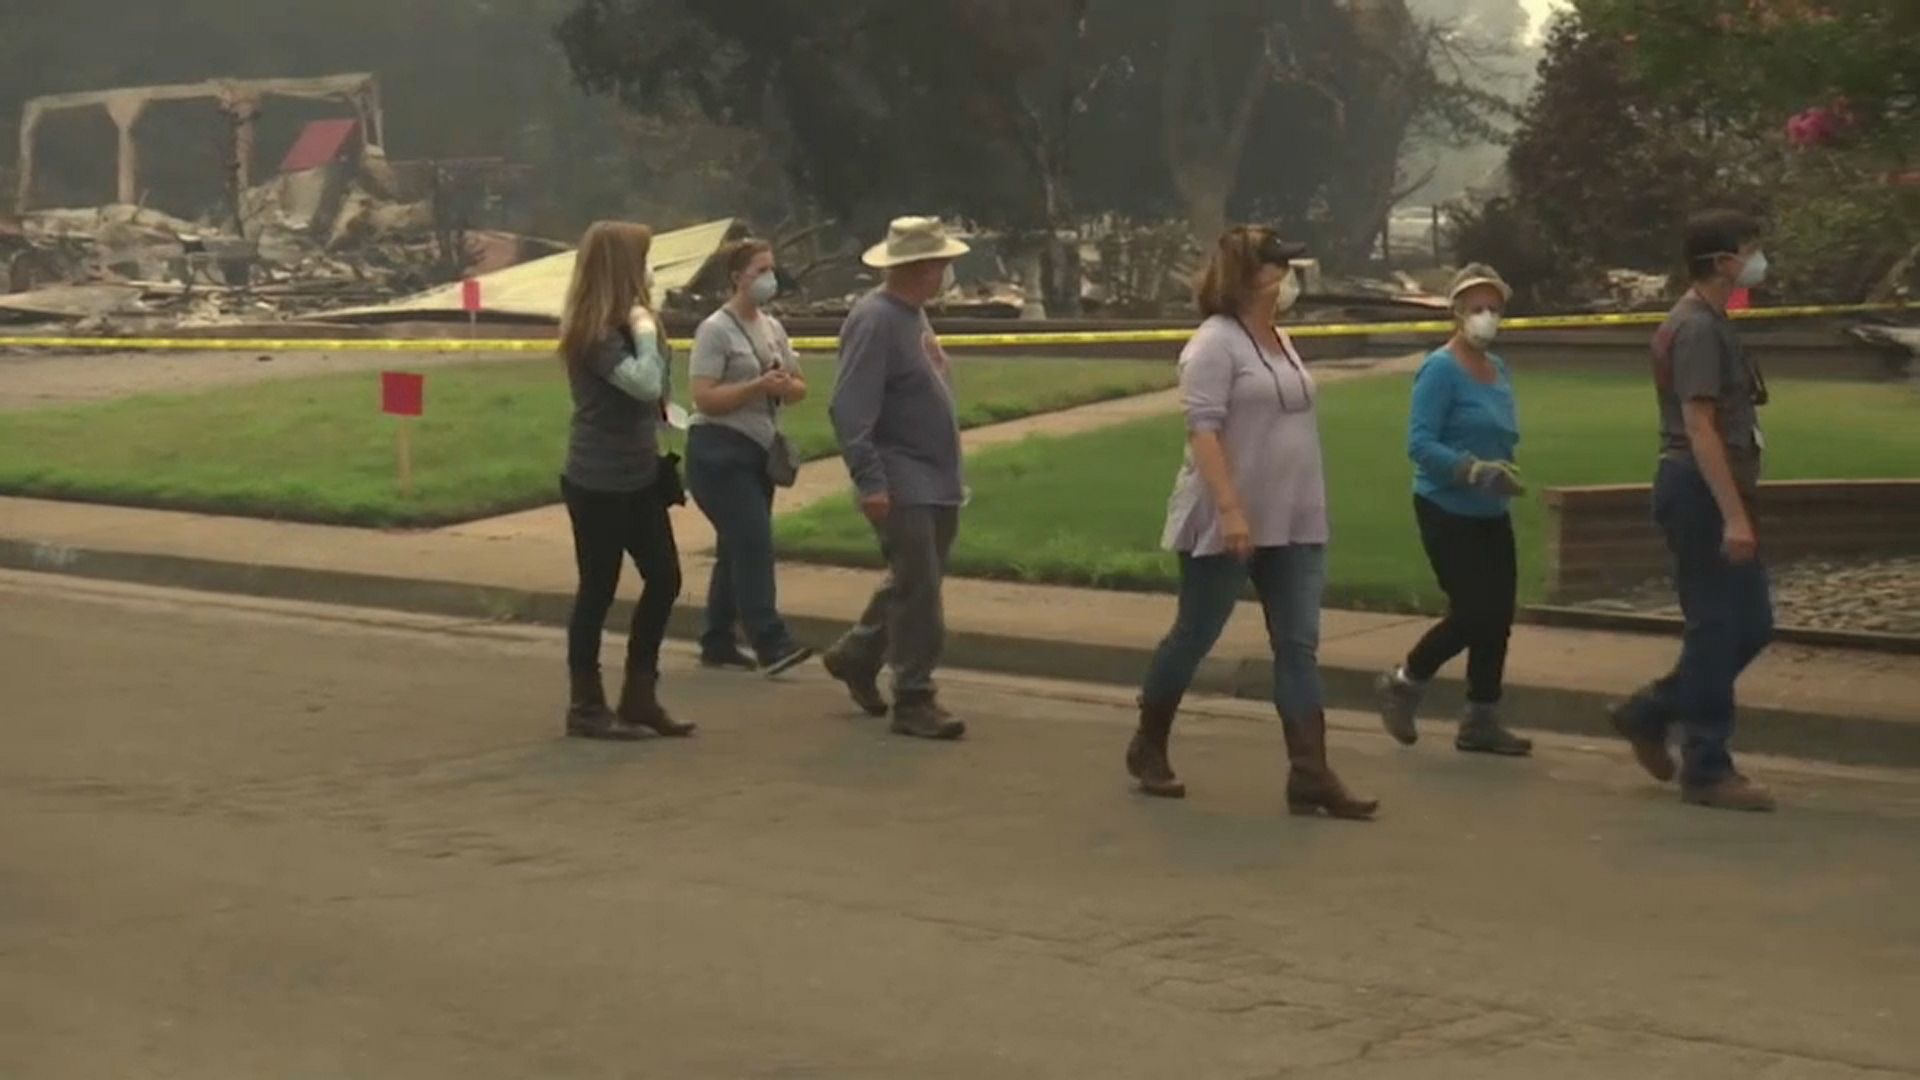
{"x": 1250, "y": 503}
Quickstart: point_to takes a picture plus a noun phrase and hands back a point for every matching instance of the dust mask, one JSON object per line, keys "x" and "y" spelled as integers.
{"x": 764, "y": 288}
{"x": 1289, "y": 294}
{"x": 1753, "y": 272}
{"x": 1482, "y": 327}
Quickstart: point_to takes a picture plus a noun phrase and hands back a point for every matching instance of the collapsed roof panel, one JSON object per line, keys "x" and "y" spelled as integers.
{"x": 538, "y": 289}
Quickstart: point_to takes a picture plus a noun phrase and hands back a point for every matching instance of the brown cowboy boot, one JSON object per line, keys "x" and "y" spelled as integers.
{"x": 640, "y": 707}
{"x": 587, "y": 714}
{"x": 1311, "y": 784}
{"x": 1147, "y": 753}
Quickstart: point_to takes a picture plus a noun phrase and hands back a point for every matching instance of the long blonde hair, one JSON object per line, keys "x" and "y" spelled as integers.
{"x": 609, "y": 281}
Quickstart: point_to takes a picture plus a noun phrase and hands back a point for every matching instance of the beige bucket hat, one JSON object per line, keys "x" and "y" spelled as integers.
{"x": 912, "y": 240}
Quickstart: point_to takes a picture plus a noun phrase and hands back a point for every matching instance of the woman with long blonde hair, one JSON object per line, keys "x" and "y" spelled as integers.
{"x": 616, "y": 486}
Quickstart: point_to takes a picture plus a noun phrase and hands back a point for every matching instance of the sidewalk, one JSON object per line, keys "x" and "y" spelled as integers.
{"x": 1826, "y": 704}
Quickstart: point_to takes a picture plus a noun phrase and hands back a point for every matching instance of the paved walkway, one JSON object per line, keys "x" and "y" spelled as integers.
{"x": 1833, "y": 704}
{"x": 249, "y": 840}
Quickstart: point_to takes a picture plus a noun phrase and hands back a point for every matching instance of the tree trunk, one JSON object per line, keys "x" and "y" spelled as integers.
{"x": 1206, "y": 192}
{"x": 1204, "y": 144}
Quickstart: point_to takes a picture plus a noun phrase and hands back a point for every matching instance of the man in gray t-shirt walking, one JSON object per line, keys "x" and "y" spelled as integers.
{"x": 894, "y": 416}
{"x": 1711, "y": 445}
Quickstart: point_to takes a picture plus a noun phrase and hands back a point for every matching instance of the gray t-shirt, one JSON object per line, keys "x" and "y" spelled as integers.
{"x": 1697, "y": 356}
{"x": 614, "y": 444}
{"x": 893, "y": 406}
{"x": 723, "y": 353}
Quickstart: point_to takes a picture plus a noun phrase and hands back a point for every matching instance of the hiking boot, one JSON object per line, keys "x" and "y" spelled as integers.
{"x": 726, "y": 658}
{"x": 862, "y": 683}
{"x": 1147, "y": 753}
{"x": 1399, "y": 704}
{"x": 786, "y": 660}
{"x": 1730, "y": 792}
{"x": 587, "y": 714}
{"x": 1312, "y": 786}
{"x": 1481, "y": 732}
{"x": 640, "y": 707}
{"x": 918, "y": 716}
{"x": 1650, "y": 750}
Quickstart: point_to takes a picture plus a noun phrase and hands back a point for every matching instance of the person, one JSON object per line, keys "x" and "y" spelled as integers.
{"x": 1461, "y": 434}
{"x": 894, "y": 415}
{"x": 616, "y": 486}
{"x": 743, "y": 370}
{"x": 1710, "y": 392}
{"x": 1250, "y": 501}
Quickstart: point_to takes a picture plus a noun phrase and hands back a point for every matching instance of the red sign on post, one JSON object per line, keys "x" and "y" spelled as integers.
{"x": 470, "y": 296}
{"x": 403, "y": 393}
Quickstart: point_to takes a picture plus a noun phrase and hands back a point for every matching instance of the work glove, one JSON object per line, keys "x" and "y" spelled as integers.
{"x": 1500, "y": 478}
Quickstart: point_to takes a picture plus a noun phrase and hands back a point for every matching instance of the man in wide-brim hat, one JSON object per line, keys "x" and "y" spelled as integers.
{"x": 900, "y": 436}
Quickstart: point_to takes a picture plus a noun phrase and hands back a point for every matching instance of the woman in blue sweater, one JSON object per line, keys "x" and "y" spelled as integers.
{"x": 1461, "y": 434}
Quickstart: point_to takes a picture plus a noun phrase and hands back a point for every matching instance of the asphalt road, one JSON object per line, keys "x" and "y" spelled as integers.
{"x": 248, "y": 840}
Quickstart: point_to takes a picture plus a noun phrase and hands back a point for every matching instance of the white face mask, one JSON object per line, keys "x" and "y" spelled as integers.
{"x": 947, "y": 280}
{"x": 1754, "y": 272}
{"x": 764, "y": 288}
{"x": 1289, "y": 294}
{"x": 1482, "y": 327}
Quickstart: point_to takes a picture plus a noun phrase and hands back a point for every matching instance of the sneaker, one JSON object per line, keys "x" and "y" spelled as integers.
{"x": 793, "y": 657}
{"x": 1399, "y": 703}
{"x": 1731, "y": 792}
{"x": 729, "y": 658}
{"x": 921, "y": 718}
{"x": 1651, "y": 751}
{"x": 862, "y": 684}
{"x": 1481, "y": 732}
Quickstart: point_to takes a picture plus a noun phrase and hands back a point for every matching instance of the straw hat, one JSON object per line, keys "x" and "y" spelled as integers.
{"x": 912, "y": 240}
{"x": 1474, "y": 274}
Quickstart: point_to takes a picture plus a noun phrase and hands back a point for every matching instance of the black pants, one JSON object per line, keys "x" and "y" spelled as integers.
{"x": 1474, "y": 561}
{"x": 608, "y": 527}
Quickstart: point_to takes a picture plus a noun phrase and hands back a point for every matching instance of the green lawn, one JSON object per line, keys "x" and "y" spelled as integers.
{"x": 491, "y": 441}
{"x": 1088, "y": 509}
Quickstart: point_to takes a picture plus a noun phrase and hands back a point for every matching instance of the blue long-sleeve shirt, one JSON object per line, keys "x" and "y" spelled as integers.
{"x": 1454, "y": 417}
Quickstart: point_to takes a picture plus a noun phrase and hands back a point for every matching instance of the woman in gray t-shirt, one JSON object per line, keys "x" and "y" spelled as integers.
{"x": 742, "y": 372}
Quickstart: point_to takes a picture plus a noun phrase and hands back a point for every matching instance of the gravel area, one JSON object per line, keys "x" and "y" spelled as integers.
{"x": 1878, "y": 595}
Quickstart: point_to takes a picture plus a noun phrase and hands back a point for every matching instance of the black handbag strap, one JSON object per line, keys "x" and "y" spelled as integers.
{"x": 773, "y": 405}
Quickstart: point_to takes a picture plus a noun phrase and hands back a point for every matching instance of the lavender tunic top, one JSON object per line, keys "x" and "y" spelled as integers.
{"x": 1264, "y": 408}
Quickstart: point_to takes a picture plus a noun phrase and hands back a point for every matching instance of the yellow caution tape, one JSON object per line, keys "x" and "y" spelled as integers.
{"x": 952, "y": 341}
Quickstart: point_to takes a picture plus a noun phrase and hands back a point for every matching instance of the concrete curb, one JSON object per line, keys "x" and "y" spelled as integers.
{"x": 1840, "y": 739}
{"x": 1626, "y": 622}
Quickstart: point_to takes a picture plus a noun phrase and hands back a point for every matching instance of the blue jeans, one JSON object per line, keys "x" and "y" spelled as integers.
{"x": 727, "y": 477}
{"x": 1729, "y": 621}
{"x": 1289, "y": 581}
